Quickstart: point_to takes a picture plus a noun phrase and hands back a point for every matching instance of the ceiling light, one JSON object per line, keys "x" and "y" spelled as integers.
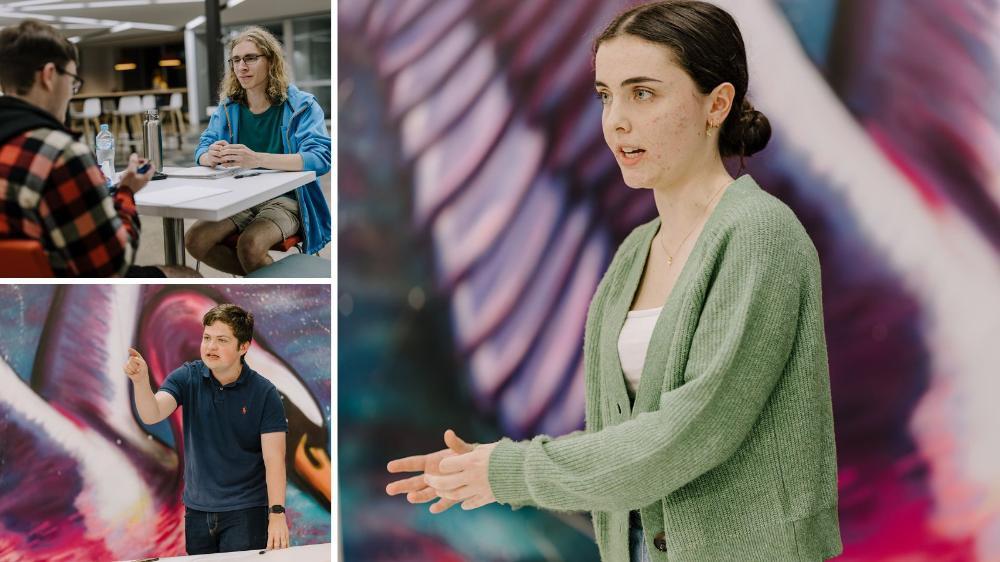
{"x": 194, "y": 23}
{"x": 31, "y": 3}
{"x": 154, "y": 26}
{"x": 170, "y": 62}
{"x": 71, "y": 19}
{"x": 117, "y": 3}
{"x": 61, "y": 6}
{"x": 125, "y": 66}
{"x": 16, "y": 15}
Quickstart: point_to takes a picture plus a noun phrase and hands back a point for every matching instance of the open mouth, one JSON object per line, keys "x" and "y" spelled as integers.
{"x": 630, "y": 153}
{"x": 211, "y": 356}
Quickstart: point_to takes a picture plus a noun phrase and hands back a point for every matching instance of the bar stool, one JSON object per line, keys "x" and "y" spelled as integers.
{"x": 90, "y": 115}
{"x": 129, "y": 116}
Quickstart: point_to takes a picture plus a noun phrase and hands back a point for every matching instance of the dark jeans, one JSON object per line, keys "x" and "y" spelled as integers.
{"x": 226, "y": 531}
{"x": 144, "y": 271}
{"x": 638, "y": 552}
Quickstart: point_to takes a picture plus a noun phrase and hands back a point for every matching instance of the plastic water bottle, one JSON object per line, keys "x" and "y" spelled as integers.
{"x": 106, "y": 154}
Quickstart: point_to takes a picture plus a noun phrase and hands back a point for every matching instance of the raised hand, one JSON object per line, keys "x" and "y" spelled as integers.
{"x": 135, "y": 367}
{"x": 415, "y": 487}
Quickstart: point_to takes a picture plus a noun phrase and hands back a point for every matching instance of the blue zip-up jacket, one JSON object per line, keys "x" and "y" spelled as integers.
{"x": 303, "y": 131}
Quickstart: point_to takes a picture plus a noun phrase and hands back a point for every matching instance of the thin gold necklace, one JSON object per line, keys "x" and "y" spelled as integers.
{"x": 670, "y": 257}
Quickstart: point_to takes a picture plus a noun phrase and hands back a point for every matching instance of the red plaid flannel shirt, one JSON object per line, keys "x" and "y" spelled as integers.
{"x": 52, "y": 190}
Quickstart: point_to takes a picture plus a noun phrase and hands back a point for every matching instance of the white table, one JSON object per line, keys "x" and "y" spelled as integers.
{"x": 311, "y": 553}
{"x": 244, "y": 193}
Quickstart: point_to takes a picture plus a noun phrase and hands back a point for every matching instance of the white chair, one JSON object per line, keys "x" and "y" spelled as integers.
{"x": 148, "y": 102}
{"x": 89, "y": 115}
{"x": 172, "y": 113}
{"x": 129, "y": 116}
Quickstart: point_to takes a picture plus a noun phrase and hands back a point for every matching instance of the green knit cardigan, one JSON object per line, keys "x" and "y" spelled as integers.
{"x": 728, "y": 450}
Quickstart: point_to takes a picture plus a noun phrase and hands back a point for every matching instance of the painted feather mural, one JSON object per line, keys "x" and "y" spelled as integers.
{"x": 81, "y": 478}
{"x": 479, "y": 207}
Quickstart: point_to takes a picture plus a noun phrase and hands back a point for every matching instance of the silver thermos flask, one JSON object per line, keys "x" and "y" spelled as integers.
{"x": 152, "y": 142}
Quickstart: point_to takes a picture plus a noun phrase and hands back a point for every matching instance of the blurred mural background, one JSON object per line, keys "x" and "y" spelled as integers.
{"x": 479, "y": 206}
{"x": 81, "y": 478}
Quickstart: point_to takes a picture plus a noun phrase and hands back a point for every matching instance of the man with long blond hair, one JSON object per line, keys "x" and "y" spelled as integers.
{"x": 263, "y": 121}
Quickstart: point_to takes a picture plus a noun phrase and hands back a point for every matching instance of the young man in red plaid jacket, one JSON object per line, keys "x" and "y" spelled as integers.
{"x": 51, "y": 188}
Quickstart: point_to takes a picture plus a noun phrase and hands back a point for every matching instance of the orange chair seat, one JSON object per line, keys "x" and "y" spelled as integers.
{"x": 23, "y": 258}
{"x": 283, "y": 246}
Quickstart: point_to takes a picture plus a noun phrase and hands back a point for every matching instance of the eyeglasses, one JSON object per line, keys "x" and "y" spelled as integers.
{"x": 77, "y": 81}
{"x": 249, "y": 59}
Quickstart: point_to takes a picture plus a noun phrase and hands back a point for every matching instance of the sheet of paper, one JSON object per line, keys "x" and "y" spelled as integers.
{"x": 178, "y": 195}
{"x": 200, "y": 172}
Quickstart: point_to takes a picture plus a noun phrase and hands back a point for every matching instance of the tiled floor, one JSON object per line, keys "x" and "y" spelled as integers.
{"x": 151, "y": 239}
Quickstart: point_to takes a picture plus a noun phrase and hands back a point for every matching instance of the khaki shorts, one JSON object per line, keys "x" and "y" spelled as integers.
{"x": 282, "y": 211}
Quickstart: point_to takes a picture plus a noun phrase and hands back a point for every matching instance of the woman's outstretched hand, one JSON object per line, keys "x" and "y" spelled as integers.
{"x": 465, "y": 478}
{"x": 415, "y": 487}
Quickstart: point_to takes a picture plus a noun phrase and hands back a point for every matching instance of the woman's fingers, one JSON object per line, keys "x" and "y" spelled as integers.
{"x": 455, "y": 443}
{"x": 474, "y": 503}
{"x": 442, "y": 505}
{"x": 407, "y": 464}
{"x": 458, "y": 463}
{"x": 458, "y": 494}
{"x": 422, "y": 496}
{"x": 411, "y": 484}
{"x": 445, "y": 482}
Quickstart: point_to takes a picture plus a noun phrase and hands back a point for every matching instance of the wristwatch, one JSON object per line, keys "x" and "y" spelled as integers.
{"x": 277, "y": 509}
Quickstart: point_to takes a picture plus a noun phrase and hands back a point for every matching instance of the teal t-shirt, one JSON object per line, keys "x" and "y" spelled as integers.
{"x": 262, "y": 133}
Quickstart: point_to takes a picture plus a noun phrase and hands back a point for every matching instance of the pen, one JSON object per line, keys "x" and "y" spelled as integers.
{"x": 238, "y": 176}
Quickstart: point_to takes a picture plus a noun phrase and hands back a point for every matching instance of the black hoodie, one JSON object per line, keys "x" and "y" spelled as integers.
{"x": 18, "y": 116}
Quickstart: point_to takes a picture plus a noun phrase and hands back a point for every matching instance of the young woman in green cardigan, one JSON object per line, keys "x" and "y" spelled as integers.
{"x": 709, "y": 426}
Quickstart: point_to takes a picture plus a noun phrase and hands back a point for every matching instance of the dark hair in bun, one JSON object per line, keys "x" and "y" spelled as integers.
{"x": 707, "y": 44}
{"x": 745, "y": 131}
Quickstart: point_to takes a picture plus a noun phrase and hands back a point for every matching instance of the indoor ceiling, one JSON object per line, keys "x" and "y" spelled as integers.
{"x": 120, "y": 21}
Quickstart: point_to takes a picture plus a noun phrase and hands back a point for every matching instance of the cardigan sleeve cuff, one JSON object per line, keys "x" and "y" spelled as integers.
{"x": 506, "y": 473}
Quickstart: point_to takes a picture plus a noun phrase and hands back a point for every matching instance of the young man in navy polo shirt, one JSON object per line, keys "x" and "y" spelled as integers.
{"x": 234, "y": 438}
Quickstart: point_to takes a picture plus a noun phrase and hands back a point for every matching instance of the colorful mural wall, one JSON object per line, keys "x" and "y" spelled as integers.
{"x": 479, "y": 206}
{"x": 81, "y": 478}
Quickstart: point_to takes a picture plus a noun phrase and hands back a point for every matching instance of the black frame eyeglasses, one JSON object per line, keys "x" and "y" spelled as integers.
{"x": 249, "y": 59}
{"x": 77, "y": 81}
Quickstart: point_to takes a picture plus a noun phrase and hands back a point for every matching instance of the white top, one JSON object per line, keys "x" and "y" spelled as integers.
{"x": 633, "y": 341}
